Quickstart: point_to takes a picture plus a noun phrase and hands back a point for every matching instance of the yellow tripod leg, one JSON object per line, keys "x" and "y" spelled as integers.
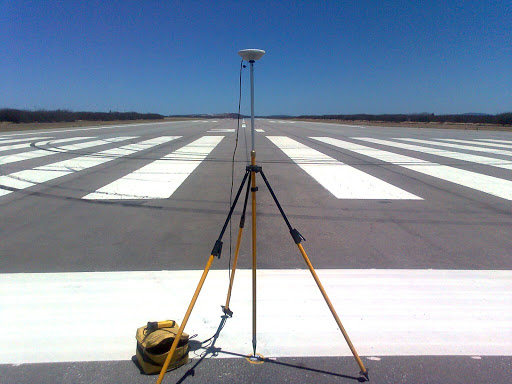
{"x": 185, "y": 320}
{"x": 364, "y": 371}
{"x": 226, "y": 309}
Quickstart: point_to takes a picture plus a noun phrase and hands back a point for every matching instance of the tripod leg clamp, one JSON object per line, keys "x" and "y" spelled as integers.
{"x": 217, "y": 249}
{"x": 227, "y": 311}
{"x": 297, "y": 237}
{"x": 253, "y": 168}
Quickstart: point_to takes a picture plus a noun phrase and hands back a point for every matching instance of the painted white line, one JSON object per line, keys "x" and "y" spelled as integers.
{"x": 481, "y": 144}
{"x": 259, "y": 130}
{"x": 76, "y": 138}
{"x": 508, "y": 142}
{"x": 484, "y": 183}
{"x": 93, "y": 127}
{"x": 220, "y": 130}
{"x": 7, "y": 159}
{"x": 19, "y": 146}
{"x": 476, "y": 147}
{"x": 4, "y": 141}
{"x": 406, "y": 312}
{"x": 31, "y": 177}
{"x": 442, "y": 152}
{"x": 342, "y": 180}
{"x": 159, "y": 179}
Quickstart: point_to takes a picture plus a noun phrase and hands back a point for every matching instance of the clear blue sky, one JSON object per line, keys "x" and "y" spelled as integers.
{"x": 322, "y": 57}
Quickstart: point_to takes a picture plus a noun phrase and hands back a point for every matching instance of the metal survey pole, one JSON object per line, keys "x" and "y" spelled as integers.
{"x": 251, "y": 55}
{"x": 252, "y": 103}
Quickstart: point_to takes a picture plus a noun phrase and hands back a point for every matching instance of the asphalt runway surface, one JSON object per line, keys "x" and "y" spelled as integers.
{"x": 410, "y": 230}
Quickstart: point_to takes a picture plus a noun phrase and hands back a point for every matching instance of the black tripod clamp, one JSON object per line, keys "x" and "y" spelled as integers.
{"x": 297, "y": 237}
{"x": 253, "y": 168}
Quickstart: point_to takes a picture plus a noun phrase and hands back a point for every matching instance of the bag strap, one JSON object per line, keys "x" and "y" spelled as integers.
{"x": 149, "y": 360}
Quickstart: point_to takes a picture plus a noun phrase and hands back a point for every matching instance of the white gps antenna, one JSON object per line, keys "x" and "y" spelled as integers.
{"x": 251, "y": 55}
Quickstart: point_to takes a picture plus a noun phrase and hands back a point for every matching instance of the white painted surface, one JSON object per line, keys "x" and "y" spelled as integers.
{"x": 484, "y": 160}
{"x": 508, "y": 142}
{"x": 7, "y": 159}
{"x": 93, "y": 316}
{"x": 159, "y": 179}
{"x": 342, "y": 180}
{"x": 89, "y": 128}
{"x": 484, "y": 183}
{"x": 220, "y": 130}
{"x": 31, "y": 177}
{"x": 477, "y": 143}
{"x": 259, "y": 130}
{"x": 475, "y": 147}
{"x": 4, "y": 141}
{"x": 4, "y": 148}
{"x": 68, "y": 139}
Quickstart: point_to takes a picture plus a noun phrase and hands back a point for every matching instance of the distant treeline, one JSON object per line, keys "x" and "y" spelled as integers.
{"x": 501, "y": 119}
{"x": 62, "y": 115}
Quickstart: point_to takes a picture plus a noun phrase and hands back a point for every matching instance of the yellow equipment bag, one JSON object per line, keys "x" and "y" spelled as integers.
{"x": 153, "y": 344}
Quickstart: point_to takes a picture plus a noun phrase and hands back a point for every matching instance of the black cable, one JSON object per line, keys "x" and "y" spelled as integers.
{"x": 233, "y": 165}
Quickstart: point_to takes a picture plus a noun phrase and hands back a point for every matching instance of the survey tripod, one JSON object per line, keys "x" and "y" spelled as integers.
{"x": 250, "y": 179}
{"x": 251, "y": 55}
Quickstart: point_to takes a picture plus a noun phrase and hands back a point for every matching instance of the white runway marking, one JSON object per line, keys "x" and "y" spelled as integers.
{"x": 31, "y": 177}
{"x": 4, "y": 141}
{"x": 481, "y": 144}
{"x": 159, "y": 179}
{"x": 7, "y": 159}
{"x": 220, "y": 130}
{"x": 4, "y": 148}
{"x": 385, "y": 312}
{"x": 508, "y": 142}
{"x": 342, "y": 180}
{"x": 259, "y": 130}
{"x": 91, "y": 128}
{"x": 484, "y": 183}
{"x": 66, "y": 140}
{"x": 476, "y": 147}
{"x": 442, "y": 152}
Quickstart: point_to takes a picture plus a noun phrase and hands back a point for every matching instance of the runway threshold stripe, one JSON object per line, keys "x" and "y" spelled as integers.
{"x": 5, "y": 141}
{"x": 4, "y": 148}
{"x": 508, "y": 142}
{"x": 473, "y": 147}
{"x": 93, "y": 316}
{"x": 484, "y": 183}
{"x": 7, "y": 159}
{"x": 10, "y": 135}
{"x": 484, "y": 160}
{"x": 342, "y": 180}
{"x": 28, "y": 178}
{"x": 159, "y": 179}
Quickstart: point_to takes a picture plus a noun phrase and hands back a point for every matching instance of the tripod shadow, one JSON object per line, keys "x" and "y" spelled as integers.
{"x": 211, "y": 349}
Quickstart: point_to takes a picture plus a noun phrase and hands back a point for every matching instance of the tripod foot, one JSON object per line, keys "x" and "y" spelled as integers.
{"x": 365, "y": 374}
{"x": 227, "y": 311}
